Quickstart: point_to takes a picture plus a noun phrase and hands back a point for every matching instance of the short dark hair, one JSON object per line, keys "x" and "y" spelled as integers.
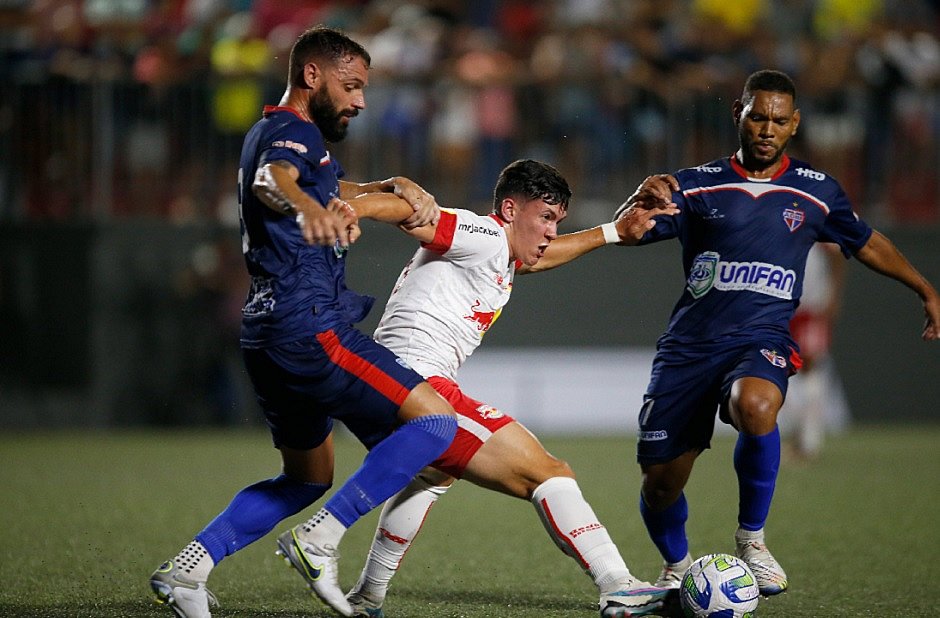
{"x": 324, "y": 44}
{"x": 532, "y": 180}
{"x": 769, "y": 81}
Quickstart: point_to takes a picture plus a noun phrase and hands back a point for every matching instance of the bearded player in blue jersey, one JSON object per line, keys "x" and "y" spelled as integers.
{"x": 307, "y": 363}
{"x": 746, "y": 225}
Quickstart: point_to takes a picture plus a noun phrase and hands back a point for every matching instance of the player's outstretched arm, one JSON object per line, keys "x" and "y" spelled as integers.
{"x": 275, "y": 184}
{"x": 628, "y": 229}
{"x": 425, "y": 209}
{"x": 880, "y": 255}
{"x": 389, "y": 208}
{"x": 654, "y": 192}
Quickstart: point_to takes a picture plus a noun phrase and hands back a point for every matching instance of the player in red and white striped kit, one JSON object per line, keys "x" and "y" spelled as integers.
{"x": 446, "y": 298}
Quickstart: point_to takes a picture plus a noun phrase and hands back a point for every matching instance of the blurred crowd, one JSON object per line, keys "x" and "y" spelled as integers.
{"x": 137, "y": 108}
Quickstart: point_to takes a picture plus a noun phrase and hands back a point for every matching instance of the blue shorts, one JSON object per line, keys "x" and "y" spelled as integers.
{"x": 340, "y": 373}
{"x": 689, "y": 383}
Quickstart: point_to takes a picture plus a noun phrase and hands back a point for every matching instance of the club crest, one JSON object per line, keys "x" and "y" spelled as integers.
{"x": 776, "y": 359}
{"x": 793, "y": 218}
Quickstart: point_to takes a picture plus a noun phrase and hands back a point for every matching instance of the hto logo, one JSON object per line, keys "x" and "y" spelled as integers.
{"x": 805, "y": 173}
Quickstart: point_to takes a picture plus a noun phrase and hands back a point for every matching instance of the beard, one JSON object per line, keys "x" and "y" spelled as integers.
{"x": 753, "y": 158}
{"x": 327, "y": 118}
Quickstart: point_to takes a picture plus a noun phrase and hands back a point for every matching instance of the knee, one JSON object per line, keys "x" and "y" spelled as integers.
{"x": 754, "y": 413}
{"x": 659, "y": 490}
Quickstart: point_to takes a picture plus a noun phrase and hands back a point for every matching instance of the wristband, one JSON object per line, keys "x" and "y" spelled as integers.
{"x": 610, "y": 233}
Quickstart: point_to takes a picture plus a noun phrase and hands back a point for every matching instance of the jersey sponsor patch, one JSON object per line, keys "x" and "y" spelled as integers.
{"x": 471, "y": 228}
{"x": 708, "y": 271}
{"x": 286, "y": 143}
{"x": 774, "y": 358}
{"x": 260, "y": 297}
{"x": 653, "y": 436}
{"x": 702, "y": 274}
{"x": 482, "y": 319}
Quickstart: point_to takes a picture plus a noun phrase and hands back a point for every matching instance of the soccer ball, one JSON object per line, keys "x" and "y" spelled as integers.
{"x": 719, "y": 586}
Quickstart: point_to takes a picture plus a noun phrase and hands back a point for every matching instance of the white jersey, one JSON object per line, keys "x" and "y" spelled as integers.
{"x": 449, "y": 294}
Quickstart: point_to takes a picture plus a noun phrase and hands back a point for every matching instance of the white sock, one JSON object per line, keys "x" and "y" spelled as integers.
{"x": 399, "y": 524}
{"x": 322, "y": 530}
{"x": 194, "y": 561}
{"x": 572, "y": 524}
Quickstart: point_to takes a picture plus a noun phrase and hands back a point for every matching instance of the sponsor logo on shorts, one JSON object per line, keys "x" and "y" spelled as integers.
{"x": 775, "y": 358}
{"x": 486, "y": 411}
{"x": 708, "y": 271}
{"x": 654, "y": 436}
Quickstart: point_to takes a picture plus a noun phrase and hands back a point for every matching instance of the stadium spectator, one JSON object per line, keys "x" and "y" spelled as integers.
{"x": 447, "y": 297}
{"x": 727, "y": 347}
{"x": 308, "y": 364}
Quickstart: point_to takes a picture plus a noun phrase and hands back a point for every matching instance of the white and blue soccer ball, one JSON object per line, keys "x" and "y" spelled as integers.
{"x": 719, "y": 586}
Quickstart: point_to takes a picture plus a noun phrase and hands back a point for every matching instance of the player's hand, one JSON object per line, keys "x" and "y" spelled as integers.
{"x": 633, "y": 222}
{"x": 350, "y": 218}
{"x": 654, "y": 192}
{"x": 324, "y": 226}
{"x": 427, "y": 211}
{"x": 932, "y": 323}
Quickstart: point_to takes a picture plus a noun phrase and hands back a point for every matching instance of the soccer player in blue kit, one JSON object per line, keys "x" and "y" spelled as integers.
{"x": 746, "y": 225}
{"x": 307, "y": 363}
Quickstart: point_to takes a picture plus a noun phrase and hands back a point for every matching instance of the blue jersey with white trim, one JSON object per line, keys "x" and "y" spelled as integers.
{"x": 296, "y": 289}
{"x": 745, "y": 242}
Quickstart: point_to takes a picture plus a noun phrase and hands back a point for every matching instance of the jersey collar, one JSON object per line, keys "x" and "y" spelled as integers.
{"x": 270, "y": 109}
{"x": 737, "y": 167}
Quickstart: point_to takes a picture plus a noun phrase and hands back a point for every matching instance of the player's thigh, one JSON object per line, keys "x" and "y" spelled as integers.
{"x": 514, "y": 462}
{"x": 678, "y": 411}
{"x": 754, "y": 388}
{"x": 286, "y": 380}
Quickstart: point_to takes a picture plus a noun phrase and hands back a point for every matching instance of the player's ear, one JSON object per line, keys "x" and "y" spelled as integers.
{"x": 311, "y": 75}
{"x": 736, "y": 108}
{"x": 796, "y": 122}
{"x": 507, "y": 209}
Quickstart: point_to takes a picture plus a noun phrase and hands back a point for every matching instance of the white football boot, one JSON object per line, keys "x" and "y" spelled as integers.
{"x": 319, "y": 566}
{"x": 634, "y": 598}
{"x": 671, "y": 575}
{"x": 750, "y": 547}
{"x": 186, "y": 597}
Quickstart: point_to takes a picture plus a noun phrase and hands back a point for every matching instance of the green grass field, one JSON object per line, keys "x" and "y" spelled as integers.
{"x": 86, "y": 517}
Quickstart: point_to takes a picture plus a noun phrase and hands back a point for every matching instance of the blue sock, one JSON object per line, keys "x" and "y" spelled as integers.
{"x": 667, "y": 528}
{"x": 254, "y": 511}
{"x": 756, "y": 460}
{"x": 391, "y": 465}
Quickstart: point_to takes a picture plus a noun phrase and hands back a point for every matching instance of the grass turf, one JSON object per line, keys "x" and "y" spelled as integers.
{"x": 86, "y": 518}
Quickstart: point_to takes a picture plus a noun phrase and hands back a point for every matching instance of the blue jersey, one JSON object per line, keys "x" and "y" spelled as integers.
{"x": 297, "y": 290}
{"x": 744, "y": 245}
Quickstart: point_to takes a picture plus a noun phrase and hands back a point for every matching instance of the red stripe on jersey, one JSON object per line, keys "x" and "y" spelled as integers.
{"x": 444, "y": 235}
{"x": 363, "y": 369}
{"x": 561, "y": 535}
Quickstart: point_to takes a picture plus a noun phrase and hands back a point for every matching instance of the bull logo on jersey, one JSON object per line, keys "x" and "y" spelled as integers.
{"x": 702, "y": 274}
{"x": 486, "y": 411}
{"x": 793, "y": 217}
{"x": 482, "y": 319}
{"x": 775, "y": 358}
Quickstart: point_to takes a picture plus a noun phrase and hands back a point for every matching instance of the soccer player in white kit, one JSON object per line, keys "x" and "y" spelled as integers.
{"x": 444, "y": 301}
